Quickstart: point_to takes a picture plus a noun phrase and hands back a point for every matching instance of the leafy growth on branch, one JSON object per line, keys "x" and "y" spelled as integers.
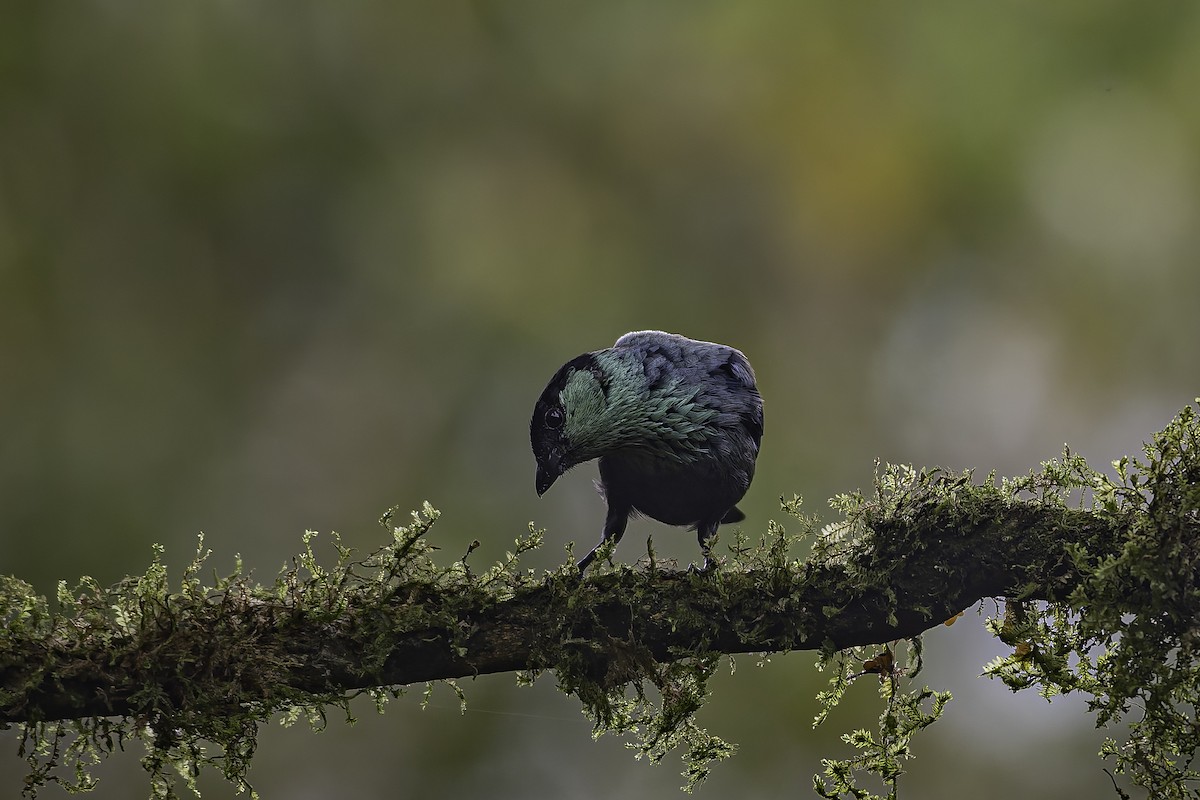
{"x": 1128, "y": 635}
{"x": 880, "y": 753}
{"x": 1118, "y": 619}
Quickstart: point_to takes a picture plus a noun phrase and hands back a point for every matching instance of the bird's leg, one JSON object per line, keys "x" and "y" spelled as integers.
{"x": 705, "y": 531}
{"x": 614, "y": 528}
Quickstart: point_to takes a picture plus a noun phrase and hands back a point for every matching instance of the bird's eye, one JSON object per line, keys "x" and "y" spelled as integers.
{"x": 554, "y": 417}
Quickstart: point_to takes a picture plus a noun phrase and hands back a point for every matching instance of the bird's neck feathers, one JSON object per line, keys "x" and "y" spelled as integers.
{"x": 598, "y": 414}
{"x": 623, "y": 414}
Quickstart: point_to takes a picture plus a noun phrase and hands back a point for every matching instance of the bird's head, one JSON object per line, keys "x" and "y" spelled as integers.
{"x": 573, "y": 420}
{"x": 571, "y": 403}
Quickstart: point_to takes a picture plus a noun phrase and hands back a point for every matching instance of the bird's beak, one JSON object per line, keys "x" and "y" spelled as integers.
{"x": 547, "y": 474}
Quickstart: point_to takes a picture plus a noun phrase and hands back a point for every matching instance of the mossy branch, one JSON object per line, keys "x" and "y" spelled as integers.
{"x": 1116, "y": 563}
{"x": 931, "y": 560}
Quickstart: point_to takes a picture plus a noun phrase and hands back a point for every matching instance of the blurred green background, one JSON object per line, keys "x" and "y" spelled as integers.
{"x": 268, "y": 267}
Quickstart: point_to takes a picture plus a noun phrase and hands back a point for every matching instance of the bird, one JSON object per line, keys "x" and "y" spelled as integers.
{"x": 676, "y": 424}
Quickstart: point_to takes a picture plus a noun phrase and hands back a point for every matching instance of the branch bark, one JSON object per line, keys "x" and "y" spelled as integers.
{"x": 923, "y": 566}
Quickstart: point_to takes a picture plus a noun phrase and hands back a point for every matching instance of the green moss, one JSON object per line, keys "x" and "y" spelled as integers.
{"x": 1101, "y": 577}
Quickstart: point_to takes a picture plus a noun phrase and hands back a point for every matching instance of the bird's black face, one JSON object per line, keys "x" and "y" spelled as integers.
{"x": 550, "y": 444}
{"x": 547, "y": 429}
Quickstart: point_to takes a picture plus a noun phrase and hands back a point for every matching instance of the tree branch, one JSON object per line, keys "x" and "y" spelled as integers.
{"x": 919, "y": 563}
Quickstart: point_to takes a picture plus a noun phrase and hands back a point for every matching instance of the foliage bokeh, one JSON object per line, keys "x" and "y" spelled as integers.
{"x": 269, "y": 268}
